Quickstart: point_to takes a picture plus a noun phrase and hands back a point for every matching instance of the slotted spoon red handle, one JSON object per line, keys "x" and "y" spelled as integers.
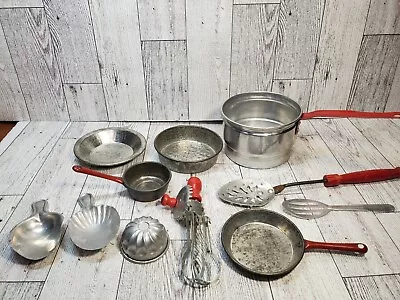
{"x": 361, "y": 177}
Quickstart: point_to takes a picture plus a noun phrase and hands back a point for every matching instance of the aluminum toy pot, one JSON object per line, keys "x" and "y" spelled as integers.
{"x": 260, "y": 127}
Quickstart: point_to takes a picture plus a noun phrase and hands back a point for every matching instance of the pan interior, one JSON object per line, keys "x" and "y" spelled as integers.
{"x": 147, "y": 176}
{"x": 262, "y": 248}
{"x": 188, "y": 151}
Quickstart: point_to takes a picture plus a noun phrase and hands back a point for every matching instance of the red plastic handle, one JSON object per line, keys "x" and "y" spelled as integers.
{"x": 166, "y": 200}
{"x": 196, "y": 186}
{"x": 87, "y": 171}
{"x": 343, "y": 247}
{"x": 361, "y": 176}
{"x": 349, "y": 114}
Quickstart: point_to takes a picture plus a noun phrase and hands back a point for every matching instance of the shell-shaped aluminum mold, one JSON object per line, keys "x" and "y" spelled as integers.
{"x": 144, "y": 240}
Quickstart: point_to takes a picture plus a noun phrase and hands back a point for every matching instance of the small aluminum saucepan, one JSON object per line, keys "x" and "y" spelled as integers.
{"x": 266, "y": 243}
{"x": 145, "y": 182}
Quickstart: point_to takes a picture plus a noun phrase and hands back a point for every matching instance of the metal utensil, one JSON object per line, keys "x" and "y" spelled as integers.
{"x": 145, "y": 182}
{"x": 249, "y": 193}
{"x": 35, "y": 237}
{"x": 144, "y": 240}
{"x": 312, "y": 209}
{"x": 188, "y": 149}
{"x": 109, "y": 146}
{"x": 264, "y": 242}
{"x": 93, "y": 227}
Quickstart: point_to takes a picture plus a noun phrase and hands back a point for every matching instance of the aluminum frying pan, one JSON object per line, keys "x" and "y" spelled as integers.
{"x": 266, "y": 243}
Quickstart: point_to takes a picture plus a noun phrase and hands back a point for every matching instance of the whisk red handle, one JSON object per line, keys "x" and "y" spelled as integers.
{"x": 196, "y": 186}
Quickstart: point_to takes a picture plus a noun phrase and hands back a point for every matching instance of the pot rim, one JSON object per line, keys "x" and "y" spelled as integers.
{"x": 262, "y": 95}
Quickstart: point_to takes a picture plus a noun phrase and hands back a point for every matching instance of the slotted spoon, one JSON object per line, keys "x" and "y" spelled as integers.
{"x": 250, "y": 193}
{"x": 312, "y": 209}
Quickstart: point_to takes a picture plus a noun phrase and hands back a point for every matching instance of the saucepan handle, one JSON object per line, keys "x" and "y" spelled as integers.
{"x": 361, "y": 176}
{"x": 343, "y": 247}
{"x": 349, "y": 114}
{"x": 87, "y": 171}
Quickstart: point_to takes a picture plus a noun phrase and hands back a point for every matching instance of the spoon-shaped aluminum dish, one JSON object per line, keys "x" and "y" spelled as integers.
{"x": 312, "y": 209}
{"x": 94, "y": 226}
{"x": 35, "y": 237}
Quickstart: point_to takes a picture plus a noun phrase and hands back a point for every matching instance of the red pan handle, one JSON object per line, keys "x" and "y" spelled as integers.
{"x": 83, "y": 170}
{"x": 348, "y": 114}
{"x": 345, "y": 247}
{"x": 361, "y": 176}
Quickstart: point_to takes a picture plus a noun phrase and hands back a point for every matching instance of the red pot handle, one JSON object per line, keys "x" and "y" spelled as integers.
{"x": 87, "y": 171}
{"x": 361, "y": 177}
{"x": 343, "y": 247}
{"x": 349, "y": 114}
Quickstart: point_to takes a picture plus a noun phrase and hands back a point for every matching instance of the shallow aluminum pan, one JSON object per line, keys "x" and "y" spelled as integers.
{"x": 109, "y": 146}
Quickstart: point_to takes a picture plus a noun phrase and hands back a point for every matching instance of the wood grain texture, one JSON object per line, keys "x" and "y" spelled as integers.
{"x": 393, "y": 102}
{"x": 374, "y": 73}
{"x": 162, "y": 277}
{"x": 77, "y": 57}
{"x": 298, "y": 90}
{"x": 165, "y": 72}
{"x": 374, "y": 287}
{"x": 13, "y": 102}
{"x": 86, "y": 102}
{"x": 77, "y": 129}
{"x": 383, "y": 17}
{"x": 297, "y": 40}
{"x": 311, "y": 159}
{"x": 120, "y": 57}
{"x": 20, "y": 3}
{"x": 351, "y": 156}
{"x": 20, "y": 290}
{"x": 256, "y": 1}
{"x": 253, "y": 46}
{"x": 7, "y": 206}
{"x": 57, "y": 183}
{"x": 165, "y": 20}
{"x": 25, "y": 156}
{"x": 78, "y": 274}
{"x": 33, "y": 54}
{"x": 12, "y": 135}
{"x": 209, "y": 52}
{"x": 392, "y": 225}
{"x": 341, "y": 34}
{"x": 384, "y": 135}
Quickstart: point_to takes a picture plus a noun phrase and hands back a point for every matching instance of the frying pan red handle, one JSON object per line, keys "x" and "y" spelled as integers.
{"x": 344, "y": 247}
{"x": 361, "y": 176}
{"x": 87, "y": 171}
{"x": 348, "y": 114}
{"x": 196, "y": 185}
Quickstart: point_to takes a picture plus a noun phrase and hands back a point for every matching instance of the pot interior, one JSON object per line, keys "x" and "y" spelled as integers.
{"x": 261, "y": 111}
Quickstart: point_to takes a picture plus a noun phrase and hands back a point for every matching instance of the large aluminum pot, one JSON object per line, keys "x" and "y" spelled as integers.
{"x": 260, "y": 127}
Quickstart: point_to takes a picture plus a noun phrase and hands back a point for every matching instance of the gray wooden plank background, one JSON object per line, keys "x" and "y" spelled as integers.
{"x": 180, "y": 60}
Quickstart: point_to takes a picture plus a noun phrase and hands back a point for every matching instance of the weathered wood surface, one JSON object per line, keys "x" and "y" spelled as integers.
{"x": 374, "y": 287}
{"x": 253, "y": 46}
{"x": 393, "y": 102}
{"x": 77, "y": 57}
{"x": 20, "y": 290}
{"x": 86, "y": 102}
{"x": 20, "y": 3}
{"x": 383, "y": 17}
{"x": 166, "y": 82}
{"x": 339, "y": 44}
{"x": 298, "y": 90}
{"x": 322, "y": 147}
{"x": 299, "y": 27}
{"x": 165, "y": 20}
{"x": 31, "y": 48}
{"x": 209, "y": 55}
{"x": 116, "y": 28}
{"x": 12, "y": 135}
{"x": 13, "y": 102}
{"x": 374, "y": 73}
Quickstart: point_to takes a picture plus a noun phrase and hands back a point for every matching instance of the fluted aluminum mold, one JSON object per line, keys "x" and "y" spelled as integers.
{"x": 144, "y": 240}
